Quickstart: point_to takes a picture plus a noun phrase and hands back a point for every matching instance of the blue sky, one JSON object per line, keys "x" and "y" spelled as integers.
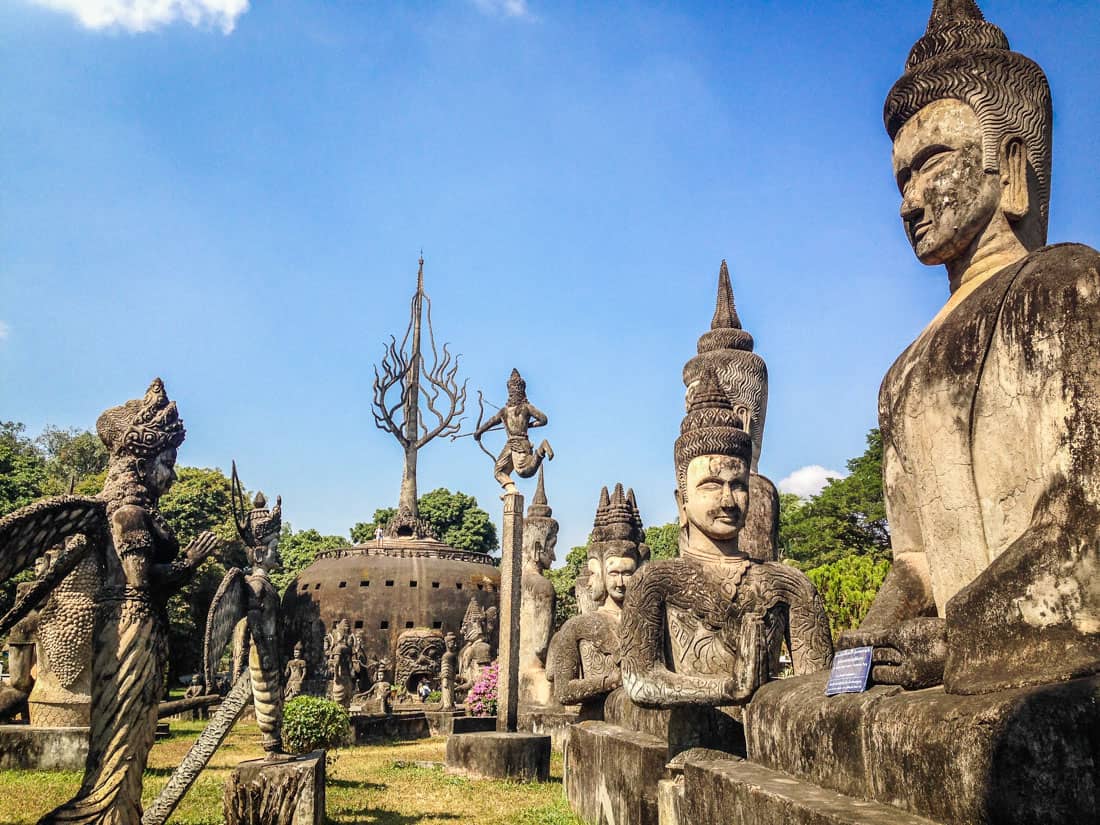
{"x": 236, "y": 202}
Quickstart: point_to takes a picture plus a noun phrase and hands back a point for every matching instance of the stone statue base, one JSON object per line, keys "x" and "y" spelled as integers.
{"x": 441, "y": 722}
{"x": 285, "y": 791}
{"x": 29, "y": 748}
{"x": 520, "y": 757}
{"x": 554, "y": 720}
{"x": 389, "y": 726}
{"x": 626, "y": 768}
{"x": 1012, "y": 757}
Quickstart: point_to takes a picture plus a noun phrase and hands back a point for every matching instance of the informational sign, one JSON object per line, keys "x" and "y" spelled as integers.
{"x": 850, "y": 671}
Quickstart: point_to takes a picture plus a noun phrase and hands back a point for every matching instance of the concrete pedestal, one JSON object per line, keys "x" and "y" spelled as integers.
{"x": 287, "y": 791}
{"x": 28, "y": 748}
{"x": 473, "y": 724}
{"x": 549, "y": 720}
{"x": 522, "y": 757}
{"x": 1014, "y": 757}
{"x": 735, "y": 792}
{"x": 611, "y": 773}
{"x": 441, "y": 722}
{"x": 395, "y": 726}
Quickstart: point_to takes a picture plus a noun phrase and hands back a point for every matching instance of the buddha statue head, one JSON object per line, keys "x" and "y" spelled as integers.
{"x": 971, "y": 125}
{"x": 713, "y": 455}
{"x": 616, "y": 548}
{"x": 540, "y": 530}
{"x": 727, "y": 350}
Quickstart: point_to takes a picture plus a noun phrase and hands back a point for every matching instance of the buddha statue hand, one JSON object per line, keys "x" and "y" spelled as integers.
{"x": 911, "y": 654}
{"x": 752, "y": 657}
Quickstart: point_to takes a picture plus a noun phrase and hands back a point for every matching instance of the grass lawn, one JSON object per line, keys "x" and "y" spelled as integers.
{"x": 364, "y": 787}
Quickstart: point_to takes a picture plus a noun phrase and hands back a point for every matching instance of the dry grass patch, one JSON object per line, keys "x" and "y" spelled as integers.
{"x": 365, "y": 787}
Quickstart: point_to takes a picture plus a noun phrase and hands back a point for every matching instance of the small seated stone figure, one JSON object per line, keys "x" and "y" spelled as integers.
{"x": 21, "y": 659}
{"x": 584, "y": 653}
{"x": 195, "y": 690}
{"x": 296, "y": 670}
{"x": 707, "y": 628}
{"x": 377, "y": 698}
{"x": 990, "y": 445}
{"x": 537, "y": 602}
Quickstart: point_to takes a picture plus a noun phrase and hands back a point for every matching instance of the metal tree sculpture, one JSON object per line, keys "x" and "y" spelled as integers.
{"x": 404, "y": 371}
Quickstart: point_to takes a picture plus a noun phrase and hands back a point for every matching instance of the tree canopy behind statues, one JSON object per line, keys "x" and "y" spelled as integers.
{"x": 455, "y": 518}
{"x": 848, "y": 517}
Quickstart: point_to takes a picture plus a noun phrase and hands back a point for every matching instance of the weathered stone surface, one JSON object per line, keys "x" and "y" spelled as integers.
{"x": 680, "y": 728}
{"x": 26, "y": 748}
{"x": 611, "y": 774}
{"x": 511, "y": 570}
{"x": 283, "y": 791}
{"x": 522, "y": 757}
{"x": 516, "y": 418}
{"x": 1008, "y": 758}
{"x": 388, "y": 726}
{"x": 552, "y": 721}
{"x": 536, "y": 615}
{"x": 989, "y": 418}
{"x": 441, "y": 722}
{"x": 734, "y": 792}
{"x": 473, "y": 724}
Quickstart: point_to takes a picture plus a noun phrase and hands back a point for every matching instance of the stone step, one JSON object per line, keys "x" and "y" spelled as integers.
{"x": 731, "y": 792}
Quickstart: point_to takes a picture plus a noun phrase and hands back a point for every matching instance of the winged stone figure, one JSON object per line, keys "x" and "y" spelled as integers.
{"x": 244, "y": 613}
{"x": 142, "y": 566}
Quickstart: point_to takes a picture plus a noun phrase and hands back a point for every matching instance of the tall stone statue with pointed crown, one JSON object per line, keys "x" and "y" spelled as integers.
{"x": 727, "y": 350}
{"x": 537, "y": 602}
{"x": 707, "y": 628}
{"x": 991, "y": 475}
{"x": 584, "y": 653}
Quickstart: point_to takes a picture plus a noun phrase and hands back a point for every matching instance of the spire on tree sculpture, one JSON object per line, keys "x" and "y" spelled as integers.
{"x": 404, "y": 369}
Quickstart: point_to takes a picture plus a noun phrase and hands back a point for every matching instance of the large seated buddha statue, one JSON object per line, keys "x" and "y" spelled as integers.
{"x": 985, "y": 635}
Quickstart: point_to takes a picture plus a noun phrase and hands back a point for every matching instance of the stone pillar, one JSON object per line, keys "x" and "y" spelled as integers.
{"x": 287, "y": 791}
{"x": 511, "y": 568}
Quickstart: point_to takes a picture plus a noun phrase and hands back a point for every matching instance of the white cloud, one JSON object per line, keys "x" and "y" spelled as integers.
{"x": 808, "y": 481}
{"x": 4, "y": 330}
{"x": 146, "y": 15}
{"x": 505, "y": 8}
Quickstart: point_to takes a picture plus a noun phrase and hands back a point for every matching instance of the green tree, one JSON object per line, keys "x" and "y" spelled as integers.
{"x": 455, "y": 517}
{"x": 363, "y": 531}
{"x": 848, "y": 586}
{"x": 71, "y": 456}
{"x": 22, "y": 468}
{"x": 663, "y": 541}
{"x": 564, "y": 579}
{"x": 848, "y": 517}
{"x": 298, "y": 551}
{"x": 198, "y": 501}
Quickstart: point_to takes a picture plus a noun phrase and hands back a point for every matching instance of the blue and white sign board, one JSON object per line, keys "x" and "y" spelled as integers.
{"x": 850, "y": 671}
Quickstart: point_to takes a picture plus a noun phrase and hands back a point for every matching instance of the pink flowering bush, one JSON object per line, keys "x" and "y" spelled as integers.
{"x": 482, "y": 698}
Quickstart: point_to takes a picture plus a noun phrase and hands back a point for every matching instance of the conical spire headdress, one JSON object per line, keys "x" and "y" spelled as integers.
{"x": 962, "y": 56}
{"x": 711, "y": 427}
{"x": 727, "y": 350}
{"x": 540, "y": 507}
{"x": 142, "y": 427}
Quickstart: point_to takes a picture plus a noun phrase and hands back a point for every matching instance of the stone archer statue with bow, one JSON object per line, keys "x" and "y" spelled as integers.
{"x": 516, "y": 417}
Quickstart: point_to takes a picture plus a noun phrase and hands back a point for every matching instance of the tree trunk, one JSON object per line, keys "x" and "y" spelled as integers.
{"x": 408, "y": 484}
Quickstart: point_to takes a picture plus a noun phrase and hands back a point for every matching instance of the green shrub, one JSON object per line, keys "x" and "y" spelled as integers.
{"x": 311, "y": 723}
{"x": 435, "y": 696}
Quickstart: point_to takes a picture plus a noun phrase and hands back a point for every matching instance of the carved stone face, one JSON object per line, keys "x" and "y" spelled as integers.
{"x": 948, "y": 198}
{"x": 267, "y": 556}
{"x": 716, "y": 496}
{"x": 160, "y": 472}
{"x": 617, "y": 572}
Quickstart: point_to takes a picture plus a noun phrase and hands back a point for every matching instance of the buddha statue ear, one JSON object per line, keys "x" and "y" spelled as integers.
{"x": 1015, "y": 199}
{"x": 681, "y": 503}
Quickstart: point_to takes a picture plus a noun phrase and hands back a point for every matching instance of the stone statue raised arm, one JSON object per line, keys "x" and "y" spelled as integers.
{"x": 991, "y": 453}
{"x": 517, "y": 416}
